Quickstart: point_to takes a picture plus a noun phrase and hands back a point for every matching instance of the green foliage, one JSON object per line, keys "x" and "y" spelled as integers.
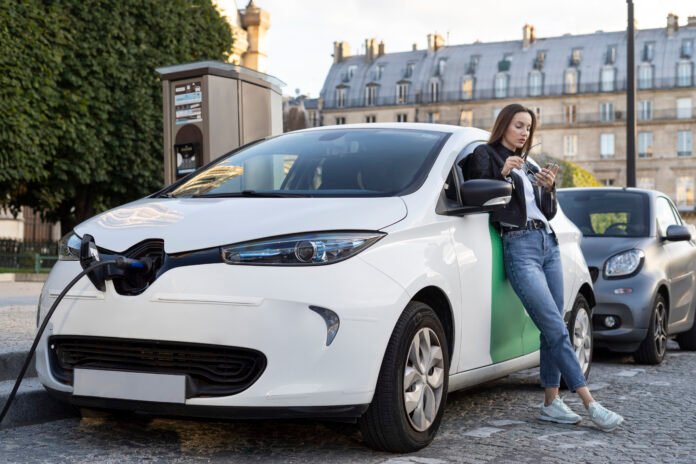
{"x": 85, "y": 100}
{"x": 569, "y": 174}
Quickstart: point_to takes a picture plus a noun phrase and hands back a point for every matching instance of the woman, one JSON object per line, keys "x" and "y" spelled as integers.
{"x": 532, "y": 259}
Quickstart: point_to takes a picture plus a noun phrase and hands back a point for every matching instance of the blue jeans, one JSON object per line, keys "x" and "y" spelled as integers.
{"x": 533, "y": 266}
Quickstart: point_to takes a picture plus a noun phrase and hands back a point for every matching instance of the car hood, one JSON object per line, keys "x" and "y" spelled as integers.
{"x": 598, "y": 249}
{"x": 195, "y": 223}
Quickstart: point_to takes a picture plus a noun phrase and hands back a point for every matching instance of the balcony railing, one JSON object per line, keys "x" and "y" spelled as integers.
{"x": 490, "y": 93}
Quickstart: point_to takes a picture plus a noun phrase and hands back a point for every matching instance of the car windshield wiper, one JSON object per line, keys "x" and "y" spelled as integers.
{"x": 250, "y": 193}
{"x": 165, "y": 195}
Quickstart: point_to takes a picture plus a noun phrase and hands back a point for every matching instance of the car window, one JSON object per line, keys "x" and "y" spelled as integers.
{"x": 331, "y": 162}
{"x": 664, "y": 214}
{"x": 607, "y": 213}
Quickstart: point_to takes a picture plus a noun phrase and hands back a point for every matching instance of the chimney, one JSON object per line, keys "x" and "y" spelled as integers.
{"x": 672, "y": 24}
{"x": 415, "y": 46}
{"x": 528, "y": 36}
{"x": 691, "y": 21}
{"x": 381, "y": 49}
{"x": 371, "y": 49}
{"x": 435, "y": 42}
{"x": 341, "y": 51}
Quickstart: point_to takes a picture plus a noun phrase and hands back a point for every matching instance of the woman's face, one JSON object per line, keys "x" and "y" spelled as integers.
{"x": 518, "y": 130}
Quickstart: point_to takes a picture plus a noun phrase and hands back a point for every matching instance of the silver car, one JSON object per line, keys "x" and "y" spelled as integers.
{"x": 642, "y": 259}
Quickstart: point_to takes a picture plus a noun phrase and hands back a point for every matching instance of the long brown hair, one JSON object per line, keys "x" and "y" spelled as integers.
{"x": 503, "y": 121}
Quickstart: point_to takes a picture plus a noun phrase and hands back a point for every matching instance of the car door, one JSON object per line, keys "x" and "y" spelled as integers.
{"x": 504, "y": 331}
{"x": 680, "y": 264}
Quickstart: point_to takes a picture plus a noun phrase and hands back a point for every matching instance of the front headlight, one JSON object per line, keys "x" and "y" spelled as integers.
{"x": 309, "y": 249}
{"x": 69, "y": 247}
{"x": 624, "y": 264}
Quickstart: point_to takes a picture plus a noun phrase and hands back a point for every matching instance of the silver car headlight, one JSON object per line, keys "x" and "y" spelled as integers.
{"x": 69, "y": 247}
{"x": 624, "y": 264}
{"x": 308, "y": 249}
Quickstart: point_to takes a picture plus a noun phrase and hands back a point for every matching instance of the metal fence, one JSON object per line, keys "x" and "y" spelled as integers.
{"x": 27, "y": 256}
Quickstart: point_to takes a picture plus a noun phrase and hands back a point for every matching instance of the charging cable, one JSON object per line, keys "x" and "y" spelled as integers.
{"x": 120, "y": 263}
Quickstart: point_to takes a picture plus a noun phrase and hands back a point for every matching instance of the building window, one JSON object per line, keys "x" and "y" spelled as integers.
{"x": 606, "y": 145}
{"x": 468, "y": 88}
{"x": 684, "y": 143}
{"x": 401, "y": 117}
{"x": 371, "y": 118}
{"x": 645, "y": 110}
{"x": 570, "y": 145}
{"x": 610, "y": 57}
{"x": 401, "y": 93}
{"x": 608, "y": 79}
{"x": 687, "y": 49}
{"x": 441, "y": 66}
{"x": 606, "y": 112}
{"x": 569, "y": 114}
{"x": 685, "y": 71}
{"x": 313, "y": 119}
{"x": 466, "y": 118}
{"x": 496, "y": 112}
{"x": 685, "y": 192}
{"x": 434, "y": 91}
{"x": 646, "y": 183}
{"x": 570, "y": 81}
{"x": 351, "y": 71}
{"x": 609, "y": 182}
{"x": 370, "y": 95}
{"x": 340, "y": 97}
{"x": 537, "y": 113}
{"x": 649, "y": 51}
{"x": 576, "y": 57}
{"x": 340, "y": 120}
{"x": 433, "y": 116}
{"x": 536, "y": 80}
{"x": 645, "y": 76}
{"x": 409, "y": 70}
{"x": 501, "y": 85}
{"x": 645, "y": 144}
{"x": 684, "y": 108}
{"x": 379, "y": 71}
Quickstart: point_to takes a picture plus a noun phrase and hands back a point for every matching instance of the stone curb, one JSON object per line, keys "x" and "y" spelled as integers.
{"x": 32, "y": 405}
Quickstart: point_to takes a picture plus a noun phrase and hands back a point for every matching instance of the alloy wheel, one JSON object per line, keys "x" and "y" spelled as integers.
{"x": 582, "y": 338}
{"x": 423, "y": 379}
{"x": 660, "y": 334}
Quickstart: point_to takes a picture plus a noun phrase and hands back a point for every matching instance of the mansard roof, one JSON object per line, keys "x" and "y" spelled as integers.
{"x": 356, "y": 72}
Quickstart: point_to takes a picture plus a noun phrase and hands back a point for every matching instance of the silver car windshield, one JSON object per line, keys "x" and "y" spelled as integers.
{"x": 331, "y": 162}
{"x": 607, "y": 213}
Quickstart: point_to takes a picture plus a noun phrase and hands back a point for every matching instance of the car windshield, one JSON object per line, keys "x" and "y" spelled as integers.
{"x": 607, "y": 213}
{"x": 331, "y": 162}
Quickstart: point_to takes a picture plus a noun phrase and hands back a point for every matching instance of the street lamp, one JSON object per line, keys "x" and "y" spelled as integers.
{"x": 630, "y": 101}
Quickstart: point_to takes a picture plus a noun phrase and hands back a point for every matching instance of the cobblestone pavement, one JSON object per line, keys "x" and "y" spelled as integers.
{"x": 494, "y": 423}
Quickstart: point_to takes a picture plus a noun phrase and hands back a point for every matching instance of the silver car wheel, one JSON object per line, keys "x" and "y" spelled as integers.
{"x": 423, "y": 379}
{"x": 582, "y": 338}
{"x": 660, "y": 329}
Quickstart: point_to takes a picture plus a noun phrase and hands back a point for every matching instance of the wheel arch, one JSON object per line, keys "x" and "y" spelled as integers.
{"x": 588, "y": 293}
{"x": 437, "y": 299}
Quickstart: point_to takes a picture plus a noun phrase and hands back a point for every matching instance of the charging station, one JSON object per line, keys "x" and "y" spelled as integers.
{"x": 211, "y": 108}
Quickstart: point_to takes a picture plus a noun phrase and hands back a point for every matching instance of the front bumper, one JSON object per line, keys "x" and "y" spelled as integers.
{"x": 254, "y": 307}
{"x": 632, "y": 309}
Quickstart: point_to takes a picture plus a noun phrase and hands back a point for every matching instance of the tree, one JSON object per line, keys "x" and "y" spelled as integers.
{"x": 569, "y": 174}
{"x": 99, "y": 140}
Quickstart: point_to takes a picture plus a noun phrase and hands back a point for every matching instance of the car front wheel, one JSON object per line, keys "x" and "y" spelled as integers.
{"x": 411, "y": 392}
{"x": 653, "y": 348}
{"x": 580, "y": 328}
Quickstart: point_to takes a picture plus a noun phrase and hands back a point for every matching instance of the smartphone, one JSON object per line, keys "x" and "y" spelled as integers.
{"x": 553, "y": 167}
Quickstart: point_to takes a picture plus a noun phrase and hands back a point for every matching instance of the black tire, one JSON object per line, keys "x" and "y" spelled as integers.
{"x": 687, "y": 340}
{"x": 581, "y": 338}
{"x": 386, "y": 425}
{"x": 653, "y": 348}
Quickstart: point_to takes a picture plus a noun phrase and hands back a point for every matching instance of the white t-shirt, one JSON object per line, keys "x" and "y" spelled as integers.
{"x": 533, "y": 211}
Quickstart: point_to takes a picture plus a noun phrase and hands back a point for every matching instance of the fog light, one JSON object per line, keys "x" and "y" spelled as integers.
{"x": 623, "y": 291}
{"x": 611, "y": 322}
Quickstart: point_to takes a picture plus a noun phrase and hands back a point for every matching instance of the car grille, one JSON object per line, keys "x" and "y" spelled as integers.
{"x": 212, "y": 370}
{"x": 594, "y": 273}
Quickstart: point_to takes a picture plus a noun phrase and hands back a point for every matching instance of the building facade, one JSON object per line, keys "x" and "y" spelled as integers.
{"x": 575, "y": 84}
{"x": 249, "y": 28}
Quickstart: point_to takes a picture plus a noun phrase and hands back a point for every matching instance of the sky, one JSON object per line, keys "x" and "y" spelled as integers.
{"x": 302, "y": 33}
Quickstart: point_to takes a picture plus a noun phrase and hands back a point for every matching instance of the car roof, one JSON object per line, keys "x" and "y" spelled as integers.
{"x": 650, "y": 192}
{"x": 446, "y": 128}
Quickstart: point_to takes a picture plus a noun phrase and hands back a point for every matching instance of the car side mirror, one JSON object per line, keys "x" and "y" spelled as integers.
{"x": 677, "y": 233}
{"x": 481, "y": 195}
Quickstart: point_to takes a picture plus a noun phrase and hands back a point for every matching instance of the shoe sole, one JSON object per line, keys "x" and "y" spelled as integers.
{"x": 560, "y": 421}
{"x": 610, "y": 429}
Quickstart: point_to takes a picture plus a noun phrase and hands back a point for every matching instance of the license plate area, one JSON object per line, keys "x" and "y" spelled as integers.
{"x": 136, "y": 386}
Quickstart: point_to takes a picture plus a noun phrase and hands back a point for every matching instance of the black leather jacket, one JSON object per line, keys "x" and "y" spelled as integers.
{"x": 486, "y": 162}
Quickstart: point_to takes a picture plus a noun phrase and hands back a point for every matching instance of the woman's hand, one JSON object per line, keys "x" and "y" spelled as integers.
{"x": 512, "y": 162}
{"x": 546, "y": 178}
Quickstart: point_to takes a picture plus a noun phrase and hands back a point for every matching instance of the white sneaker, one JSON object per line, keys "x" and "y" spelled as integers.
{"x": 558, "y": 412}
{"x": 603, "y": 418}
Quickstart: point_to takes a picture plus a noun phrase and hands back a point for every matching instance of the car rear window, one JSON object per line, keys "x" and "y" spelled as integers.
{"x": 603, "y": 213}
{"x": 331, "y": 162}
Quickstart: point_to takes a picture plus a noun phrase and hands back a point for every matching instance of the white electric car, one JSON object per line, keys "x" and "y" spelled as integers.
{"x": 340, "y": 272}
